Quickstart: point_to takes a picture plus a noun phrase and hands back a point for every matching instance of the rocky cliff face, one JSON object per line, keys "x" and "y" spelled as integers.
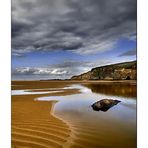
{"x": 121, "y": 71}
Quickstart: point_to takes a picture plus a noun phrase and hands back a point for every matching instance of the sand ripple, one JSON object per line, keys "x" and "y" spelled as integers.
{"x": 34, "y": 126}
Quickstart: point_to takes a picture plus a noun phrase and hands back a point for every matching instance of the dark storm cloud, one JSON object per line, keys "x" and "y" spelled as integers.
{"x": 82, "y": 26}
{"x": 128, "y": 53}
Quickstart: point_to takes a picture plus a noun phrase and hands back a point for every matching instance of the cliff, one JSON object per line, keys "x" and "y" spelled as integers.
{"x": 120, "y": 71}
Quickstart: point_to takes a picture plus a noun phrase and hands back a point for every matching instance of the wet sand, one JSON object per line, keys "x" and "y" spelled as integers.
{"x": 35, "y": 125}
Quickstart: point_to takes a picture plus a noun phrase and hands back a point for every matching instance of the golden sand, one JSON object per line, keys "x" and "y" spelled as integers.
{"x": 35, "y": 126}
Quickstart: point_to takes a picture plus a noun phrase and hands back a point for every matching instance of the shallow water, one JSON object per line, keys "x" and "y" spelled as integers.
{"x": 38, "y": 91}
{"x": 27, "y": 92}
{"x": 115, "y": 128}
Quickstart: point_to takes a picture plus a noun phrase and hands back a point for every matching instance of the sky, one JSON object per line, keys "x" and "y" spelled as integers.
{"x": 56, "y": 39}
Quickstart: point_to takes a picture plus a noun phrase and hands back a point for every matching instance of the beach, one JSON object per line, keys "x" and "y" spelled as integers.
{"x": 57, "y": 114}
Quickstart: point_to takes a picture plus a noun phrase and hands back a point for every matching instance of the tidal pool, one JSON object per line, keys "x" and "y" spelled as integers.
{"x": 115, "y": 128}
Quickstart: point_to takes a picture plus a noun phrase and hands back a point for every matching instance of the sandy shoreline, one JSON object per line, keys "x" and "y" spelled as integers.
{"x": 33, "y": 122}
{"x": 34, "y": 125}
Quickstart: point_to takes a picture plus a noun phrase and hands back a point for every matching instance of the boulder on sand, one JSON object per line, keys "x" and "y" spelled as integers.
{"x": 104, "y": 104}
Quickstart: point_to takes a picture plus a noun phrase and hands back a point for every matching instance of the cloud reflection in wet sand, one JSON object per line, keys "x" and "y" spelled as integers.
{"x": 111, "y": 129}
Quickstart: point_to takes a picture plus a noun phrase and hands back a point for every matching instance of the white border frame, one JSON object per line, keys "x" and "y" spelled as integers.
{"x": 5, "y": 74}
{"x": 142, "y": 87}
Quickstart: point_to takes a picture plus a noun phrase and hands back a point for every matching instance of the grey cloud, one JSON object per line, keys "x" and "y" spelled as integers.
{"x": 64, "y": 69}
{"x": 128, "y": 53}
{"x": 71, "y": 64}
{"x": 82, "y": 26}
{"x": 38, "y": 71}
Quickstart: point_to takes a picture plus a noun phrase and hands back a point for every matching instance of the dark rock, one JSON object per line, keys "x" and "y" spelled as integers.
{"x": 104, "y": 104}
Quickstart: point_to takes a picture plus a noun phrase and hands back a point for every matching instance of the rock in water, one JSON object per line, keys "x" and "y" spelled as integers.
{"x": 104, "y": 104}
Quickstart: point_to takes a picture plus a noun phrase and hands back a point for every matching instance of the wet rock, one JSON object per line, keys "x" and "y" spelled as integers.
{"x": 104, "y": 104}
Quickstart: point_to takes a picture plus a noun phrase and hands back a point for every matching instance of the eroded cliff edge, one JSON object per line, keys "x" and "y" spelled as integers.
{"x": 119, "y": 71}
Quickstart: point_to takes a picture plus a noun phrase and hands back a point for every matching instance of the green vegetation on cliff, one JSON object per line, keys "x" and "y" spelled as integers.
{"x": 120, "y": 71}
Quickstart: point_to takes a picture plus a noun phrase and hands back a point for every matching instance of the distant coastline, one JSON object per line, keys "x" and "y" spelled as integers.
{"x": 119, "y": 71}
{"x": 113, "y": 72}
